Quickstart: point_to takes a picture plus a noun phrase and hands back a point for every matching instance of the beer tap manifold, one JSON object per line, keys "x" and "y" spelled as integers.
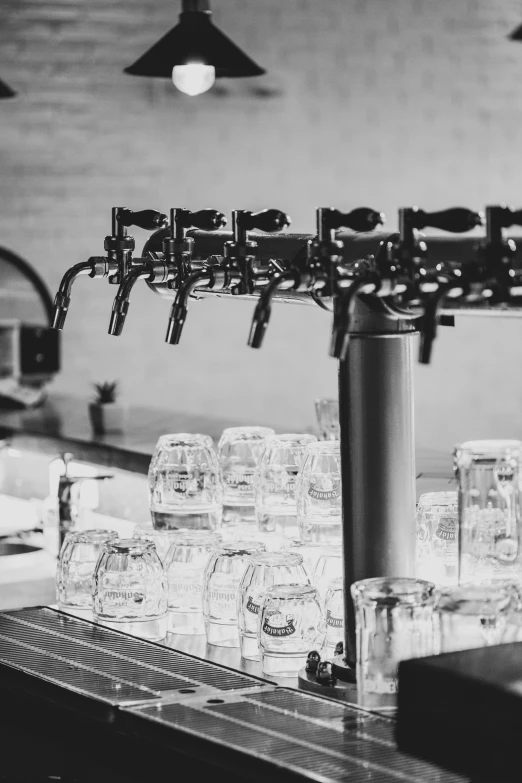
{"x": 172, "y": 266}
{"x": 115, "y": 265}
{"x": 235, "y": 271}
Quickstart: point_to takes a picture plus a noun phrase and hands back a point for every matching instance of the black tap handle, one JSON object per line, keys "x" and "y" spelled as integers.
{"x": 149, "y": 219}
{"x": 269, "y": 220}
{"x": 205, "y": 219}
{"x": 457, "y": 220}
{"x": 360, "y": 219}
{"x": 505, "y": 216}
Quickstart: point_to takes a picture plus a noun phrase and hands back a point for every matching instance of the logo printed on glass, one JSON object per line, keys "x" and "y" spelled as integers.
{"x": 276, "y": 624}
{"x": 241, "y": 481}
{"x": 335, "y": 622}
{"x": 252, "y": 606}
{"x": 325, "y": 494}
{"x": 447, "y": 529}
{"x": 380, "y": 685}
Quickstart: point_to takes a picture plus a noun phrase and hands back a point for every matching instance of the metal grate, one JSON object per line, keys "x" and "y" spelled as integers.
{"x": 101, "y": 662}
{"x": 277, "y": 728}
{"x": 237, "y": 715}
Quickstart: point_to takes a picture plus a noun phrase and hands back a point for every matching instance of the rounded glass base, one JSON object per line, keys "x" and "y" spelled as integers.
{"x": 282, "y": 665}
{"x": 222, "y": 635}
{"x": 249, "y": 648}
{"x": 152, "y": 629}
{"x": 186, "y": 623}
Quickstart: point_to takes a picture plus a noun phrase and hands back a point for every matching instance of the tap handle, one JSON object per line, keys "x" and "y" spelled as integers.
{"x": 457, "y": 220}
{"x": 360, "y": 219}
{"x": 205, "y": 219}
{"x": 149, "y": 219}
{"x": 504, "y": 217}
{"x": 269, "y": 220}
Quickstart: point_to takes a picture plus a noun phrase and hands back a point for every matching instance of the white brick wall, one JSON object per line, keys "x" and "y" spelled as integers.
{"x": 375, "y": 102}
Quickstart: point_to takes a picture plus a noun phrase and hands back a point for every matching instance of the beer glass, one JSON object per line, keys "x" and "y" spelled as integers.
{"x": 221, "y": 580}
{"x": 318, "y": 493}
{"x": 274, "y": 483}
{"x": 394, "y": 622}
{"x": 162, "y": 539}
{"x": 239, "y": 450}
{"x": 489, "y": 475}
{"x": 437, "y": 537}
{"x": 130, "y": 589}
{"x": 78, "y": 556}
{"x": 333, "y": 618}
{"x": 184, "y": 483}
{"x": 290, "y": 617}
{"x": 474, "y": 615}
{"x": 263, "y": 570}
{"x": 185, "y": 568}
{"x": 327, "y": 412}
{"x": 329, "y": 566}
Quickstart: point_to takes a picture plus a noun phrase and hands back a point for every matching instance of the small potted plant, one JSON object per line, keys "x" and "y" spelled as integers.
{"x": 106, "y": 414}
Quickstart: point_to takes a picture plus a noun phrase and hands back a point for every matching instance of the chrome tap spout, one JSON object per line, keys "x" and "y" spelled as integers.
{"x": 281, "y": 280}
{"x": 62, "y": 299}
{"x": 120, "y": 305}
{"x": 179, "y": 310}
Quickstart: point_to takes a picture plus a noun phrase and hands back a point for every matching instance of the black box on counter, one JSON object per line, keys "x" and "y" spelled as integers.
{"x": 463, "y": 710}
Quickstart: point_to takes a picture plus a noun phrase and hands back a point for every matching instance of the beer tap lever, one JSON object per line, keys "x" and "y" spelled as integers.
{"x": 148, "y": 219}
{"x": 177, "y": 247}
{"x": 456, "y": 220}
{"x": 240, "y": 252}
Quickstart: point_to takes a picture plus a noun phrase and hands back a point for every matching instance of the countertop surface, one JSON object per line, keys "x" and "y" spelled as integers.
{"x": 62, "y": 424}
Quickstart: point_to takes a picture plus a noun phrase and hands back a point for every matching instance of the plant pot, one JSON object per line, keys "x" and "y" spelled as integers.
{"x": 107, "y": 417}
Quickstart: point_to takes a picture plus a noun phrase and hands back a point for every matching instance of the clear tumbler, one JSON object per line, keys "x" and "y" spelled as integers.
{"x": 162, "y": 539}
{"x": 333, "y": 618}
{"x": 394, "y": 622}
{"x": 223, "y": 574}
{"x": 474, "y": 615}
{"x": 184, "y": 483}
{"x": 185, "y": 567}
{"x": 263, "y": 571}
{"x": 437, "y": 537}
{"x": 489, "y": 475}
{"x": 327, "y": 412}
{"x": 274, "y": 483}
{"x": 329, "y": 566}
{"x": 239, "y": 451}
{"x": 288, "y": 627}
{"x": 318, "y": 493}
{"x": 130, "y": 589}
{"x": 78, "y": 557}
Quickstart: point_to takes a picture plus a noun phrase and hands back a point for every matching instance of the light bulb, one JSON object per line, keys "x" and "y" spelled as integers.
{"x": 193, "y": 78}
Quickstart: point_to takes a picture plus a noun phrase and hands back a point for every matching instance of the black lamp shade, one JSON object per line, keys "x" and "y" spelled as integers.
{"x": 195, "y": 39}
{"x": 6, "y": 91}
{"x": 516, "y": 35}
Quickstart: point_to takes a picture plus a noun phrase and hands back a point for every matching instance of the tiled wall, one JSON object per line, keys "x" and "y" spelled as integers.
{"x": 366, "y": 102}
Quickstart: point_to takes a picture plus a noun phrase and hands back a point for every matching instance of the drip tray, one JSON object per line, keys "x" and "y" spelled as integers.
{"x": 154, "y": 703}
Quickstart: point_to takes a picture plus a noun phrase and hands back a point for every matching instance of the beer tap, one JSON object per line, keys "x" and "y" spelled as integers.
{"x": 173, "y": 266}
{"x": 236, "y": 273}
{"x": 115, "y": 264}
{"x": 406, "y": 263}
{"x": 325, "y": 253}
{"x": 315, "y": 274}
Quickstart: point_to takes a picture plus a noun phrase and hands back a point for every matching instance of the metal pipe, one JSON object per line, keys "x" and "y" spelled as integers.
{"x": 377, "y": 462}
